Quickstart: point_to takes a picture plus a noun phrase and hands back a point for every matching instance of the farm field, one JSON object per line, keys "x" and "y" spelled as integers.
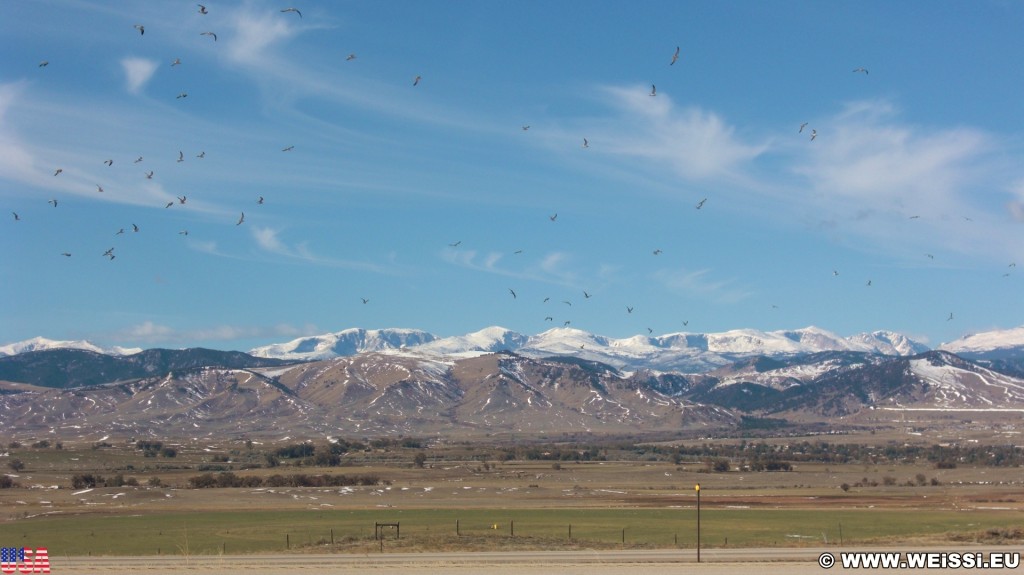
{"x": 462, "y": 500}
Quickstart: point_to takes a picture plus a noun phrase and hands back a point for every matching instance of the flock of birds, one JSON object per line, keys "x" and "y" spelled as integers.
{"x": 812, "y": 134}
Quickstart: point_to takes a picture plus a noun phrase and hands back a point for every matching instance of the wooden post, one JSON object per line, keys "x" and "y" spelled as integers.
{"x": 287, "y": 541}
{"x": 332, "y": 536}
{"x": 570, "y": 532}
{"x": 623, "y": 535}
{"x": 840, "y": 533}
{"x": 512, "y": 528}
{"x": 224, "y": 548}
{"x": 457, "y": 534}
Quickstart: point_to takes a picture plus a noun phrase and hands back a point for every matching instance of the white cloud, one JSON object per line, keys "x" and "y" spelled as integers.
{"x": 137, "y": 72}
{"x": 254, "y": 33}
{"x": 693, "y": 142}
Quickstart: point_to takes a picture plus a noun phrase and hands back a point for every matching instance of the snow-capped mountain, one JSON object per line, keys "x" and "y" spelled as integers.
{"x": 999, "y": 344}
{"x": 344, "y": 343}
{"x": 689, "y": 352}
{"x": 41, "y": 343}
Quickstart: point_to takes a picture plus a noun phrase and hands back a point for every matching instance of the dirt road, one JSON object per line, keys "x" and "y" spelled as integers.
{"x": 771, "y": 561}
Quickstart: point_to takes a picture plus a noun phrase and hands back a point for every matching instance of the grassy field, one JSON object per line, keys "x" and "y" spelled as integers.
{"x": 264, "y": 531}
{"x": 630, "y": 501}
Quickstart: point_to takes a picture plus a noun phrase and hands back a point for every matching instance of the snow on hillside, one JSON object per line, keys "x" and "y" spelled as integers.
{"x": 41, "y": 343}
{"x": 344, "y": 343}
{"x": 988, "y": 342}
{"x": 487, "y": 340}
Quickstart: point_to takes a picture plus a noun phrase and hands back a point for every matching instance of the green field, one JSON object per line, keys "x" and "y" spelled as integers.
{"x": 204, "y": 533}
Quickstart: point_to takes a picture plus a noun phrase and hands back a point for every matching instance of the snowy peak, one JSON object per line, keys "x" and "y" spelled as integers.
{"x": 345, "y": 343}
{"x": 999, "y": 344}
{"x": 488, "y": 340}
{"x": 41, "y": 343}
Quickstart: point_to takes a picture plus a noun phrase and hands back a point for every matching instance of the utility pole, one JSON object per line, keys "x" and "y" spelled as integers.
{"x": 697, "y": 489}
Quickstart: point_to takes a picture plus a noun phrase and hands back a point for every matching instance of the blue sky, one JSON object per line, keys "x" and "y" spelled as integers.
{"x": 914, "y": 180}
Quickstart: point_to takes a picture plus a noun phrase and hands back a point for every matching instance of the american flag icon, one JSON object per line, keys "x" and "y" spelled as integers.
{"x": 24, "y": 560}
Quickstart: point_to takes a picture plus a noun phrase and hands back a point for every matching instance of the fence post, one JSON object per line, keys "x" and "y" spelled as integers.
{"x": 287, "y": 541}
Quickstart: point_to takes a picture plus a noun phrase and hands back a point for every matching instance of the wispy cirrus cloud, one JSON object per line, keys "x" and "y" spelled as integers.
{"x": 269, "y": 240}
{"x": 149, "y": 332}
{"x": 137, "y": 73}
{"x": 553, "y": 268}
{"x": 699, "y": 283}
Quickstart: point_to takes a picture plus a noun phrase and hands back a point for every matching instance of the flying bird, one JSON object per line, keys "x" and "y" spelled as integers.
{"x": 546, "y": 300}
{"x": 183, "y": 232}
{"x": 567, "y": 302}
{"x": 650, "y": 331}
{"x": 66, "y": 254}
{"x": 119, "y": 232}
{"x": 869, "y": 283}
{"x": 686, "y": 322}
{"x": 202, "y": 9}
{"x": 149, "y": 175}
{"x": 296, "y": 10}
{"x": 201, "y": 155}
{"x": 511, "y": 291}
{"x": 99, "y": 188}
{"x": 913, "y": 217}
{"x": 365, "y": 300}
{"x": 553, "y": 217}
{"x": 835, "y": 273}
{"x": 176, "y": 62}
{"x": 260, "y": 201}
{"x": 135, "y": 228}
{"x": 137, "y": 160}
{"x": 814, "y": 134}
{"x": 455, "y": 245}
{"x": 109, "y": 253}
{"x": 675, "y": 56}
{"x": 140, "y": 28}
{"x": 44, "y": 64}
{"x": 629, "y": 309}
{"x": 59, "y": 170}
{"x": 416, "y": 81}
{"x": 108, "y": 162}
{"x": 950, "y": 316}
{"x": 567, "y": 322}
{"x": 700, "y": 204}
{"x": 350, "y": 57}
{"x": 802, "y": 126}
{"x": 526, "y": 127}
{"x": 209, "y": 34}
{"x": 865, "y": 70}
{"x": 657, "y": 252}
{"x": 53, "y": 201}
{"x": 288, "y": 149}
{"x": 181, "y": 199}
{"x": 241, "y": 219}
{"x": 16, "y": 216}
{"x": 654, "y": 90}
{"x": 182, "y": 95}
{"x": 181, "y": 156}
{"x": 549, "y": 318}
{"x": 586, "y": 295}
{"x": 586, "y": 144}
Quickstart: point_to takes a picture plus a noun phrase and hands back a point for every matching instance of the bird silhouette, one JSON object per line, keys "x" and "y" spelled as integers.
{"x": 814, "y": 134}
{"x": 567, "y": 322}
{"x": 654, "y": 91}
{"x": 201, "y": 155}
{"x": 183, "y": 232}
{"x": 950, "y": 316}
{"x": 181, "y": 199}
{"x": 456, "y": 244}
{"x": 802, "y": 126}
{"x": 137, "y": 160}
{"x": 135, "y": 228}
{"x": 141, "y": 29}
{"x": 59, "y": 170}
{"x": 44, "y": 64}
{"x": 416, "y": 81}
{"x": 553, "y": 217}
{"x": 99, "y": 188}
{"x": 657, "y": 252}
{"x": 586, "y": 295}
{"x": 260, "y": 201}
{"x": 169, "y": 204}
{"x": 53, "y": 202}
{"x": 176, "y": 62}
{"x": 700, "y": 204}
{"x": 549, "y": 318}
{"x": 287, "y": 148}
{"x": 241, "y": 219}
{"x": 209, "y": 34}
{"x": 182, "y": 95}
{"x": 108, "y": 162}
{"x": 16, "y": 216}
{"x": 350, "y": 57}
{"x": 181, "y": 156}
{"x": 675, "y": 56}
{"x": 66, "y": 254}
{"x": 629, "y": 309}
{"x": 365, "y": 300}
{"x": 149, "y": 175}
{"x": 865, "y": 70}
{"x": 586, "y": 144}
{"x": 202, "y": 9}
{"x": 511, "y": 291}
{"x": 296, "y": 10}
{"x": 686, "y": 322}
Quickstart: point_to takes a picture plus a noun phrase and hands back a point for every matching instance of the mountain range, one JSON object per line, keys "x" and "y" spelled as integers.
{"x": 385, "y": 382}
